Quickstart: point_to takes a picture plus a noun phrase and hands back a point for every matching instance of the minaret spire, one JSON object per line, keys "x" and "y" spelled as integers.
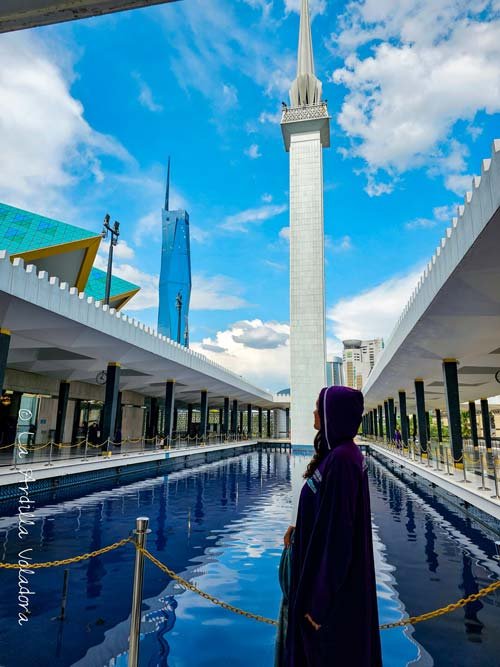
{"x": 305, "y": 64}
{"x": 167, "y": 191}
{"x": 306, "y": 88}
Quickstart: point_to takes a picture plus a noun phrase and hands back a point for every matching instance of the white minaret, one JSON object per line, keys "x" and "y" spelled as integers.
{"x": 306, "y": 131}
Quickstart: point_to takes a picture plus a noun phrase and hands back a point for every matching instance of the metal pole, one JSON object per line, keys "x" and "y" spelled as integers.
{"x": 141, "y": 530}
{"x": 107, "y": 290}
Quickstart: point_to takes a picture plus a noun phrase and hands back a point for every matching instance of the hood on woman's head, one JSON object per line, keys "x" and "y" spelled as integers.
{"x": 340, "y": 411}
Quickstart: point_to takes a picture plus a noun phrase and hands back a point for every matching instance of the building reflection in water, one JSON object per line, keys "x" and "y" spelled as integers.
{"x": 95, "y": 567}
{"x": 473, "y": 626}
{"x": 430, "y": 541}
{"x": 410, "y": 523}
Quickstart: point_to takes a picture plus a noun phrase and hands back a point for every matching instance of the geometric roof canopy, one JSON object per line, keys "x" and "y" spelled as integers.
{"x": 63, "y": 250}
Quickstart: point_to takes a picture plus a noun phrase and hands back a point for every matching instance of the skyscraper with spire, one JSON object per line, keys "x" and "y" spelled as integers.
{"x": 175, "y": 273}
{"x": 306, "y": 131}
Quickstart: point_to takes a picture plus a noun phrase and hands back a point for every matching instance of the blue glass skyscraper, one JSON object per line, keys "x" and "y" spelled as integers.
{"x": 175, "y": 273}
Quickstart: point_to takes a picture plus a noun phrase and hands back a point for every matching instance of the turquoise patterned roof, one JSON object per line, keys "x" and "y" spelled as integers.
{"x": 22, "y": 231}
{"x": 96, "y": 284}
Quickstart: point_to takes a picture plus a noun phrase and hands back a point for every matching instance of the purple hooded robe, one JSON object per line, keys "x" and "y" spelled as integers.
{"x": 333, "y": 574}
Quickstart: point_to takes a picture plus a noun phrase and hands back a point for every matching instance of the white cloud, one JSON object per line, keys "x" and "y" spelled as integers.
{"x": 146, "y": 95}
{"x": 148, "y": 227}
{"x": 284, "y": 234}
{"x": 458, "y": 183}
{"x": 229, "y": 97}
{"x": 207, "y": 293}
{"x": 47, "y": 146}
{"x": 429, "y": 65}
{"x": 198, "y": 234}
{"x": 253, "y": 152}
{"x": 260, "y": 336}
{"x": 440, "y": 214}
{"x": 267, "y": 198}
{"x": 315, "y": 6}
{"x": 215, "y": 293}
{"x": 474, "y": 131}
{"x": 374, "y": 312}
{"x": 239, "y": 221}
{"x": 256, "y": 349}
{"x": 216, "y": 42}
{"x": 264, "y": 5}
{"x": 275, "y": 265}
{"x": 270, "y": 117}
{"x": 147, "y": 297}
{"x": 122, "y": 251}
{"x": 343, "y": 244}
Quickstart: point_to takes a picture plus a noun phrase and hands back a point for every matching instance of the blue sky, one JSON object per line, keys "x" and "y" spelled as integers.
{"x": 90, "y": 110}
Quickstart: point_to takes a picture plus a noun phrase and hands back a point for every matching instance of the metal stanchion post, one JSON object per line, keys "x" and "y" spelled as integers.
{"x": 86, "y": 447}
{"x": 496, "y": 465}
{"x": 14, "y": 467}
{"x": 448, "y": 472}
{"x": 141, "y": 530}
{"x": 49, "y": 464}
{"x": 464, "y": 464}
{"x": 483, "y": 487}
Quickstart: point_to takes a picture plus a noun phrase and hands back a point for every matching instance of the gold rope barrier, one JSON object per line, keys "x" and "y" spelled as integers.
{"x": 66, "y": 561}
{"x": 411, "y": 620}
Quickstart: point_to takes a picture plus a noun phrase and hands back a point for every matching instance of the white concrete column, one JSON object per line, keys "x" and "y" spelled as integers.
{"x": 307, "y": 282}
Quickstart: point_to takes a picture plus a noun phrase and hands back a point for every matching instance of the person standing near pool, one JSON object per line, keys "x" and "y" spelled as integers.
{"x": 332, "y": 602}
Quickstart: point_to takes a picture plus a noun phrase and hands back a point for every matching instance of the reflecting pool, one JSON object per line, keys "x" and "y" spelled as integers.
{"x": 220, "y": 526}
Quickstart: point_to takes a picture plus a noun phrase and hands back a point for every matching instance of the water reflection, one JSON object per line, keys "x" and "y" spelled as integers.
{"x": 221, "y": 525}
{"x": 473, "y": 626}
{"x": 453, "y": 546}
{"x": 430, "y": 540}
{"x": 164, "y": 620}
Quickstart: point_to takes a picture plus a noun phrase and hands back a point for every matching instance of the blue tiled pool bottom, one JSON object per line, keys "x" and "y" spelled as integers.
{"x": 221, "y": 526}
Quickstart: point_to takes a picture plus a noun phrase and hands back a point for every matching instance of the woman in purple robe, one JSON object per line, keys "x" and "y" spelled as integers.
{"x": 333, "y": 616}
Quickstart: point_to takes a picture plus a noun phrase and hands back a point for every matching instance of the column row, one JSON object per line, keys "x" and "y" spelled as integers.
{"x": 383, "y": 421}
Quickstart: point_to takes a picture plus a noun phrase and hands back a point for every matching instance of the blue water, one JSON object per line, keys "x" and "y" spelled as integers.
{"x": 221, "y": 525}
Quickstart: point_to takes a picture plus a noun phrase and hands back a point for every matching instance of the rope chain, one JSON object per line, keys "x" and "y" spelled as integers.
{"x": 411, "y": 620}
{"x": 66, "y": 561}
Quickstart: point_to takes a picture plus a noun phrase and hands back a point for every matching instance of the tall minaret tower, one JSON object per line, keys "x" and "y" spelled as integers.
{"x": 306, "y": 131}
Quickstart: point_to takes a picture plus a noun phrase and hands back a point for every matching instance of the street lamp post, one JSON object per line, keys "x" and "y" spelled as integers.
{"x": 178, "y": 305}
{"x": 114, "y": 240}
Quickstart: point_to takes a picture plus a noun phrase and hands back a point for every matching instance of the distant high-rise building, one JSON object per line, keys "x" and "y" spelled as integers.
{"x": 175, "y": 274}
{"x": 334, "y": 372}
{"x": 359, "y": 358}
